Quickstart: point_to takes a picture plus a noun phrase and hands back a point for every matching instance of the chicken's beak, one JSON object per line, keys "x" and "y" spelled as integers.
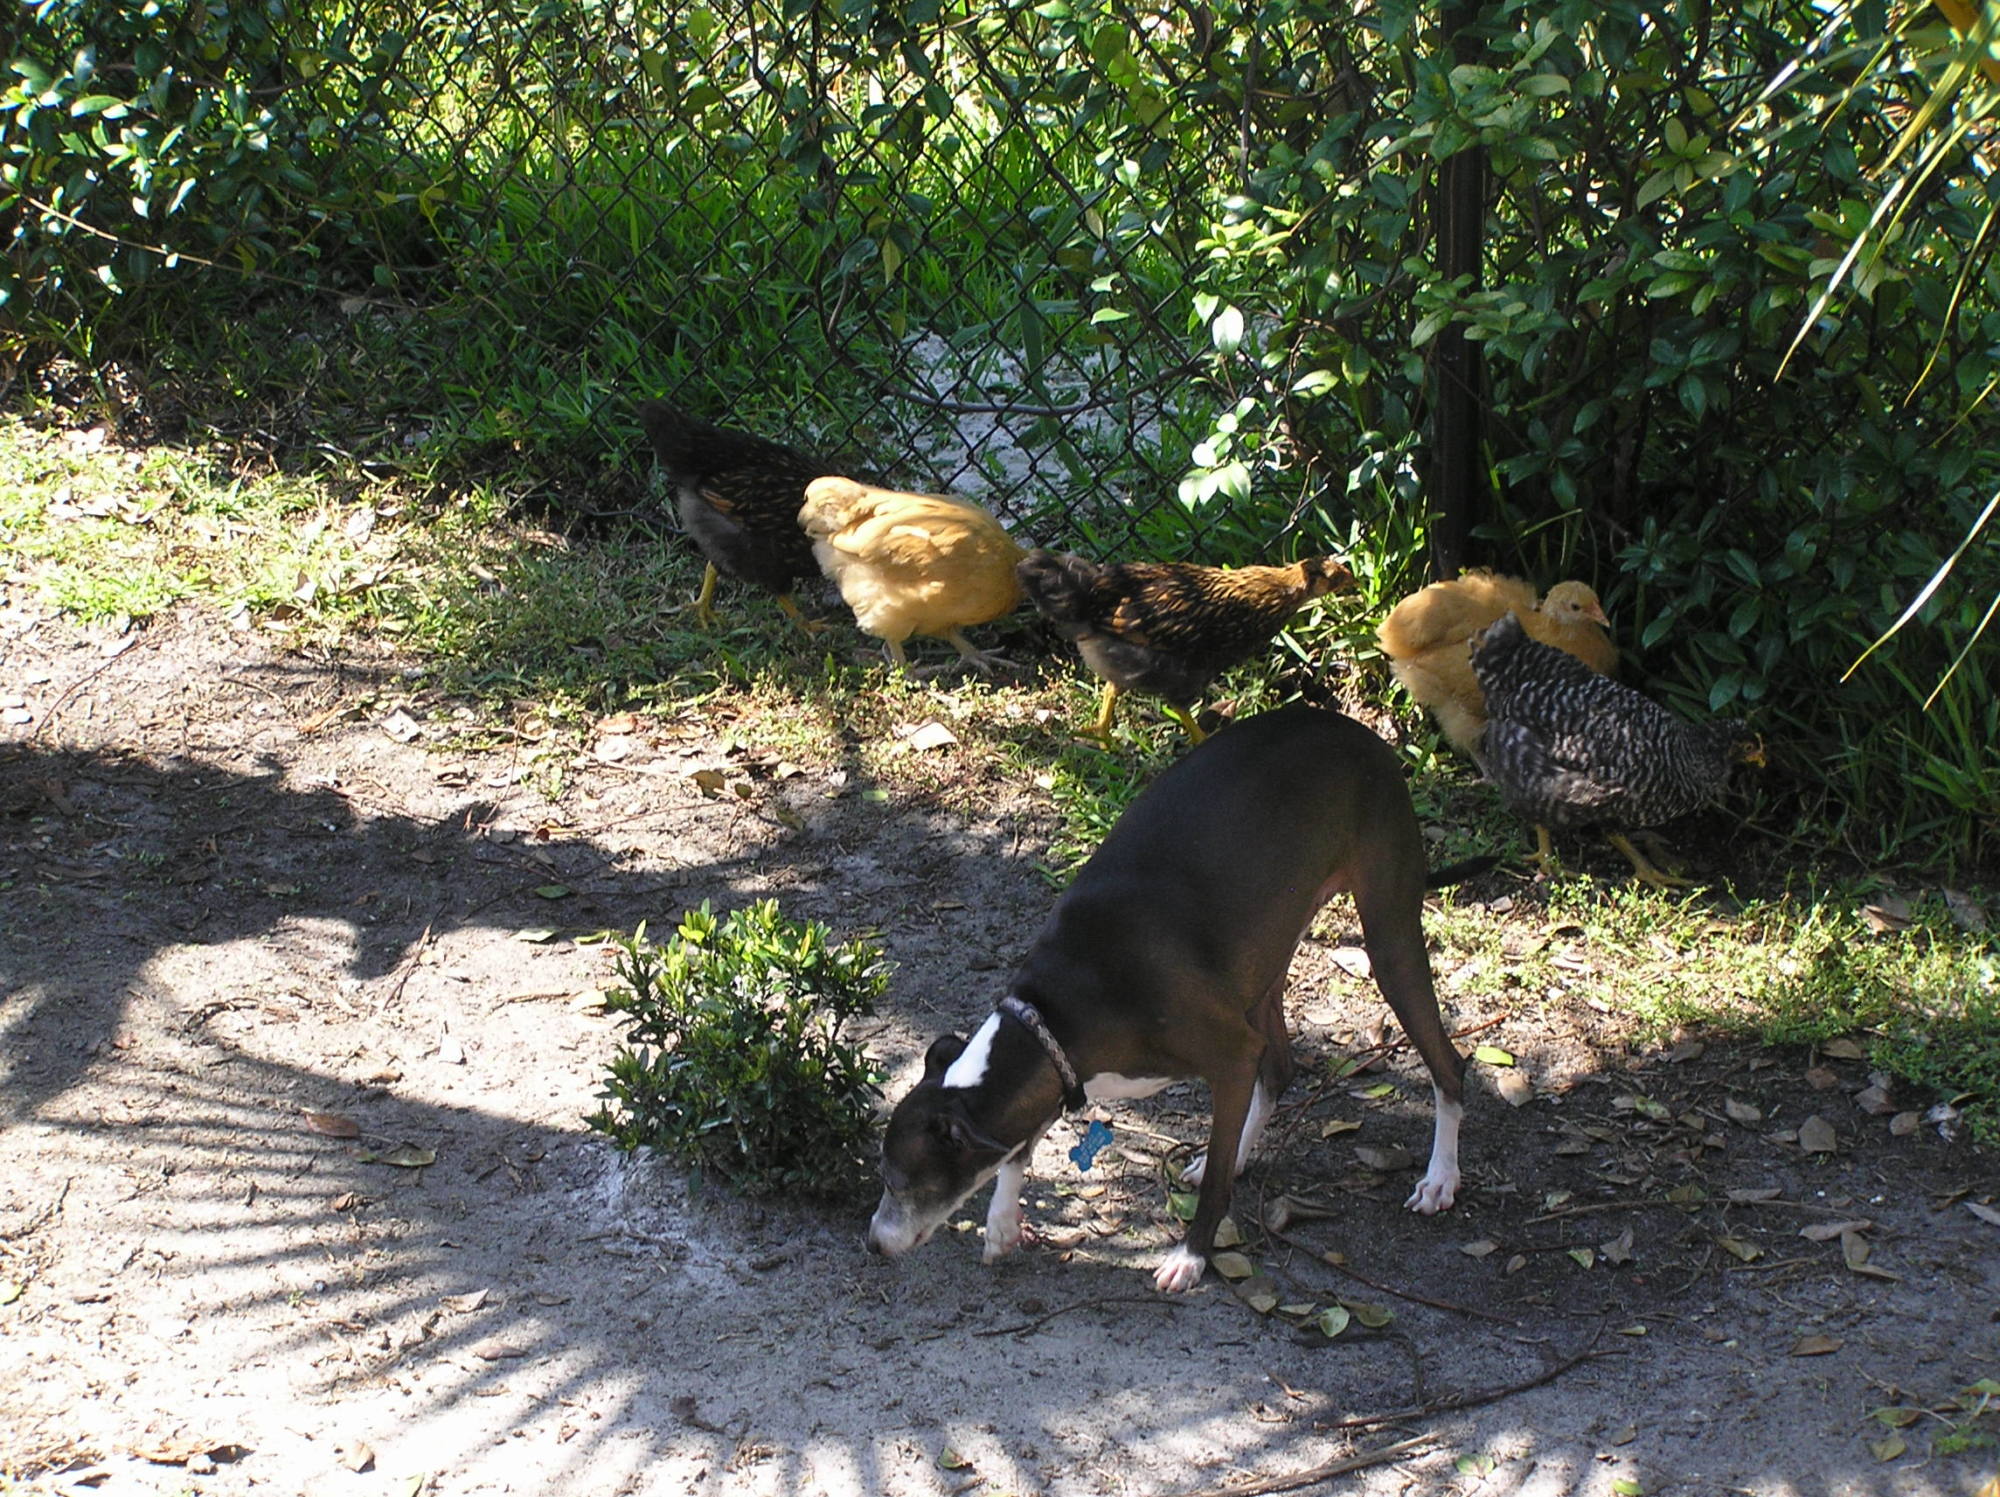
{"x": 1596, "y": 614}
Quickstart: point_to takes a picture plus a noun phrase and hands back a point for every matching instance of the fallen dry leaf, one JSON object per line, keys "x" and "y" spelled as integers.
{"x": 1844, "y": 1048}
{"x": 1903, "y": 1124}
{"x": 1260, "y": 1293}
{"x": 1741, "y": 1112}
{"x": 1386, "y": 1160}
{"x": 1479, "y": 1249}
{"x": 1816, "y": 1136}
{"x": 332, "y": 1125}
{"x": 1985, "y": 1213}
{"x": 1827, "y": 1231}
{"x": 932, "y": 735}
{"x": 1816, "y": 1346}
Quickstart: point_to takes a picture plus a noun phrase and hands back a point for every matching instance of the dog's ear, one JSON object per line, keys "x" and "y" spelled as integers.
{"x": 945, "y": 1049}
{"x": 964, "y": 1141}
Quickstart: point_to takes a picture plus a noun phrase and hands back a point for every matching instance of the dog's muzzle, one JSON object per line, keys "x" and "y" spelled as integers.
{"x": 893, "y": 1231}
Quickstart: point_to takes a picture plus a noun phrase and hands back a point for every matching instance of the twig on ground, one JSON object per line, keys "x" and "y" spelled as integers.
{"x": 1087, "y": 1304}
{"x": 54, "y": 709}
{"x": 1594, "y": 1207}
{"x": 1380, "y": 1455}
{"x": 1409, "y": 1294}
{"x": 1453, "y": 1403}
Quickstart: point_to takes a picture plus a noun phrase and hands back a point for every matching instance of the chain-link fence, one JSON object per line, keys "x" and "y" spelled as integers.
{"x": 1018, "y": 253}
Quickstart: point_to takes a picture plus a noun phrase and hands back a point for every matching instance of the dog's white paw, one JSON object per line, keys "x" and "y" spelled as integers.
{"x": 1195, "y": 1170}
{"x": 1003, "y": 1236}
{"x": 1181, "y": 1271}
{"x": 1434, "y": 1193}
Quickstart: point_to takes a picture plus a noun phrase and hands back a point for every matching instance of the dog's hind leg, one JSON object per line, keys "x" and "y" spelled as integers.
{"x": 1393, "y": 930}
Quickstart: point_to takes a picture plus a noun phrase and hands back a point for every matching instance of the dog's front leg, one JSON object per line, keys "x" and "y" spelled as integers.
{"x": 1003, "y": 1212}
{"x": 1182, "y": 1268}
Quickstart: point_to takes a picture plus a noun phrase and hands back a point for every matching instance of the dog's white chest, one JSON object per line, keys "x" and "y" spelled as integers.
{"x": 1109, "y": 1086}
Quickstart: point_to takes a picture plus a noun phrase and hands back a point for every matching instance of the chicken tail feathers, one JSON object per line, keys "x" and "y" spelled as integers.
{"x": 1459, "y": 872}
{"x": 1058, "y": 583}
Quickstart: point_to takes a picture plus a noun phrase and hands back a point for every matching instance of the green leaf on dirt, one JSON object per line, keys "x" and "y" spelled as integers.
{"x": 1332, "y": 1127}
{"x": 552, "y": 891}
{"x": 1475, "y": 1465}
{"x": 1627, "y": 1486}
{"x": 537, "y": 935}
{"x": 1888, "y": 1447}
{"x": 12, "y": 1290}
{"x": 1492, "y": 1055}
{"x": 402, "y": 1156}
{"x": 1181, "y": 1204}
{"x": 1371, "y": 1315}
{"x": 1233, "y": 1265}
{"x": 1378, "y": 1091}
{"x": 1584, "y": 1257}
{"x": 1895, "y": 1416}
{"x": 951, "y": 1460}
{"x": 1228, "y": 1234}
{"x": 1333, "y": 1320}
{"x": 1736, "y": 1247}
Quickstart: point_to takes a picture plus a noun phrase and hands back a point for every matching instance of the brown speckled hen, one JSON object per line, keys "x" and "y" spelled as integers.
{"x": 1168, "y": 628}
{"x": 739, "y": 498}
{"x": 1571, "y": 748}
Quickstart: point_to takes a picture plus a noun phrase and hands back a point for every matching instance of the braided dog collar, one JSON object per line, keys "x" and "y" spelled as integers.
{"x": 1025, "y": 1014}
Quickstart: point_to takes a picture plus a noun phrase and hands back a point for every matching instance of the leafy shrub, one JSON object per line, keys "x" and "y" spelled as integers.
{"x": 734, "y": 1060}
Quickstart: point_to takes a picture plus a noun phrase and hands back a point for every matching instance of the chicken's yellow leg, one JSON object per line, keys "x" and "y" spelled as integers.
{"x": 703, "y": 606}
{"x": 1644, "y": 870}
{"x": 1107, "y": 709}
{"x": 790, "y": 605}
{"x": 1185, "y": 718}
{"x": 1544, "y": 855}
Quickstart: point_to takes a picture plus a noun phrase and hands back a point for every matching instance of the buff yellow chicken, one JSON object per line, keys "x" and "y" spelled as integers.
{"x": 913, "y": 563}
{"x": 1427, "y": 635}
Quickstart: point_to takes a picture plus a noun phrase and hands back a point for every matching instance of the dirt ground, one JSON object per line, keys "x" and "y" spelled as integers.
{"x": 240, "y": 886}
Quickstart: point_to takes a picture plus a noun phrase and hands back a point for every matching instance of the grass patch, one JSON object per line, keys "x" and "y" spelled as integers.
{"x": 1800, "y": 968}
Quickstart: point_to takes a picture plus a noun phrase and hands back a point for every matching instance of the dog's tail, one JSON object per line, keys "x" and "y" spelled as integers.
{"x": 1455, "y": 873}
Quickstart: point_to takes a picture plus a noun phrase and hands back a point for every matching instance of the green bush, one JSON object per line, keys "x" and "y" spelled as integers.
{"x": 734, "y": 1060}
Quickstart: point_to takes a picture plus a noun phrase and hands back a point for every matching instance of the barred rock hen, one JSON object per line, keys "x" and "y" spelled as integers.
{"x": 913, "y": 563}
{"x": 1425, "y": 638}
{"x": 739, "y": 497}
{"x": 1570, "y": 748}
{"x": 1168, "y": 628}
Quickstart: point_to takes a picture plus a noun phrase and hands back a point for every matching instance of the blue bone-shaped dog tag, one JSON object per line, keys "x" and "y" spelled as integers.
{"x": 1095, "y": 1137}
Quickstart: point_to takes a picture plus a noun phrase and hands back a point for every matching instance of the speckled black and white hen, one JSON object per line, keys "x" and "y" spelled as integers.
{"x": 1571, "y": 748}
{"x": 738, "y": 497}
{"x": 1168, "y": 628}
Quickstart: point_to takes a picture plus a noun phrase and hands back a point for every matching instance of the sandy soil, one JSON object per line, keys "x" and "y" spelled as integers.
{"x": 239, "y": 887}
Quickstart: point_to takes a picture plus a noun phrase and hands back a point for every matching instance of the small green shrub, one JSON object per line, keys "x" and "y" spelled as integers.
{"x": 733, "y": 1059}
